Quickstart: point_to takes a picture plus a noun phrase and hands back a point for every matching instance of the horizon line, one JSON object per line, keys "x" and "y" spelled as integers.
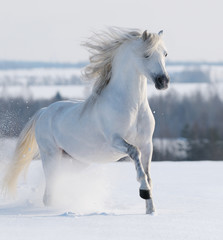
{"x": 30, "y": 64}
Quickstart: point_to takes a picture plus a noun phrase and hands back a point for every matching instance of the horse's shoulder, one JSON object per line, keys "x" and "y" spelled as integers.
{"x": 145, "y": 121}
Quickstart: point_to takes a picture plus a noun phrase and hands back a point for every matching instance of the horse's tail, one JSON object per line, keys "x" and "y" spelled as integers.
{"x": 26, "y": 150}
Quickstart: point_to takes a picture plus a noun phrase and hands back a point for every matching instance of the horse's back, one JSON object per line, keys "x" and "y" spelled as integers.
{"x": 51, "y": 115}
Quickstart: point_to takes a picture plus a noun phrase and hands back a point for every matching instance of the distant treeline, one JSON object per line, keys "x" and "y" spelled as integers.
{"x": 15, "y": 113}
{"x": 184, "y": 76}
{"x": 191, "y": 76}
{"x": 174, "y": 113}
{"x": 35, "y": 80}
{"x": 195, "y": 119}
{"x": 10, "y": 65}
{"x": 190, "y": 72}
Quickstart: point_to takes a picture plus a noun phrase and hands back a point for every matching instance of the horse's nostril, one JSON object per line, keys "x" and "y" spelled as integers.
{"x": 162, "y": 79}
{"x": 159, "y": 79}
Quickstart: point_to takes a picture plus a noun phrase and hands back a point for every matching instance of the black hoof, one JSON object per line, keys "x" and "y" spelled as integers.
{"x": 145, "y": 194}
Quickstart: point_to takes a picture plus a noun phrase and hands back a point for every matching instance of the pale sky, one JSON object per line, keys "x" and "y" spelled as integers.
{"x": 52, "y": 30}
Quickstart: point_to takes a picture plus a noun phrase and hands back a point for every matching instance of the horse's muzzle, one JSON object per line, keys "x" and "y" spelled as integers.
{"x": 161, "y": 82}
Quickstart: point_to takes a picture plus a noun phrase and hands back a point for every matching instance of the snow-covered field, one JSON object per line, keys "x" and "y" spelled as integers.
{"x": 82, "y": 91}
{"x": 45, "y": 83}
{"x": 45, "y": 92}
{"x": 102, "y": 202}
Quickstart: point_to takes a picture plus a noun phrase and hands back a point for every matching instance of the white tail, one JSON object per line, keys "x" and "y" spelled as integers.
{"x": 25, "y": 151}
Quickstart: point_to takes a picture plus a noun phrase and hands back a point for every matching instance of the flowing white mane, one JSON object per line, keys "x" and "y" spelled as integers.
{"x": 102, "y": 47}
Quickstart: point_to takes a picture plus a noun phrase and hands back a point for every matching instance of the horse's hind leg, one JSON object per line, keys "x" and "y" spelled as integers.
{"x": 51, "y": 156}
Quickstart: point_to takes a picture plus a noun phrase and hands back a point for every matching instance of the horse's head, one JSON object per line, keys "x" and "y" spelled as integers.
{"x": 143, "y": 52}
{"x": 153, "y": 55}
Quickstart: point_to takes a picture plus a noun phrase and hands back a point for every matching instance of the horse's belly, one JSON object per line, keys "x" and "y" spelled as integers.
{"x": 100, "y": 157}
{"x": 97, "y": 156}
{"x": 100, "y": 153}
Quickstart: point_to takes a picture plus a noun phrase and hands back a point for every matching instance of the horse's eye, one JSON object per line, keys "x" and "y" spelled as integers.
{"x": 165, "y": 54}
{"x": 147, "y": 56}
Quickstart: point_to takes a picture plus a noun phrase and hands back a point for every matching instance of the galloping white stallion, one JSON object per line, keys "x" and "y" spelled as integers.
{"x": 114, "y": 122}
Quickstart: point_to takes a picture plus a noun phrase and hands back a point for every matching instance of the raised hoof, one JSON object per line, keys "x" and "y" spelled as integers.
{"x": 145, "y": 194}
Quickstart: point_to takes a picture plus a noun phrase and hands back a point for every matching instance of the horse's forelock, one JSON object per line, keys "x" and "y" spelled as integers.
{"x": 151, "y": 43}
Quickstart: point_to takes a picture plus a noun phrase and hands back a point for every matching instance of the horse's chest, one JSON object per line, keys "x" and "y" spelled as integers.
{"x": 143, "y": 127}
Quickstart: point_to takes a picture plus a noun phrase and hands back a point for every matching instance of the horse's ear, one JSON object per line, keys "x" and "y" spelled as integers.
{"x": 160, "y": 33}
{"x": 145, "y": 35}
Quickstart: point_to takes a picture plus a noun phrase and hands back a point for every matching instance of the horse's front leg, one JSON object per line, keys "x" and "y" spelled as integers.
{"x": 146, "y": 158}
{"x": 134, "y": 153}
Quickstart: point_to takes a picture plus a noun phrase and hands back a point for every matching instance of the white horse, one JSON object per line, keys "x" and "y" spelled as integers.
{"x": 114, "y": 122}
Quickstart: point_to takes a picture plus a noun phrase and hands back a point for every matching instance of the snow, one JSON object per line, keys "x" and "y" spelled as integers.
{"x": 21, "y": 75}
{"x": 45, "y": 83}
{"x": 102, "y": 202}
{"x": 188, "y": 89}
{"x": 82, "y": 91}
{"x": 45, "y": 92}
{"x": 214, "y": 71}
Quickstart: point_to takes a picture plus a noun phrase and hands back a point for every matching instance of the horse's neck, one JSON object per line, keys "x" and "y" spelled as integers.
{"x": 127, "y": 81}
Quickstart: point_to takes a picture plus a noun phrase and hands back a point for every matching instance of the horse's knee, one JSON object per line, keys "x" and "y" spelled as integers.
{"x": 149, "y": 180}
{"x": 133, "y": 152}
